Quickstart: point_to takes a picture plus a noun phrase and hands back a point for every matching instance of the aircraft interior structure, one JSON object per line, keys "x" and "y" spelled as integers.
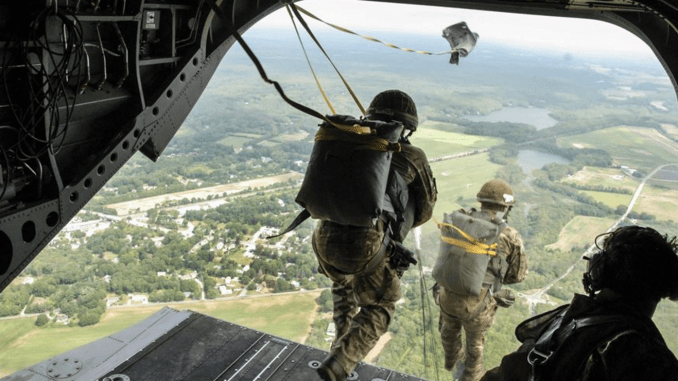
{"x": 86, "y": 84}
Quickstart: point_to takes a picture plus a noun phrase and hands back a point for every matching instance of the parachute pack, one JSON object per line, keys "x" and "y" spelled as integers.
{"x": 468, "y": 246}
{"x": 348, "y": 172}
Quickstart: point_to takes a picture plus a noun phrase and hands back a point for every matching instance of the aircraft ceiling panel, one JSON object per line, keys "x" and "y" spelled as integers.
{"x": 186, "y": 345}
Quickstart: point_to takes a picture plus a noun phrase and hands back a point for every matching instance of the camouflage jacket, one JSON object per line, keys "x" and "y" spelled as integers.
{"x": 411, "y": 163}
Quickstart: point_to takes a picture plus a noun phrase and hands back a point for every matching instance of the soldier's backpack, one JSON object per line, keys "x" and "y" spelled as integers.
{"x": 468, "y": 246}
{"x": 348, "y": 171}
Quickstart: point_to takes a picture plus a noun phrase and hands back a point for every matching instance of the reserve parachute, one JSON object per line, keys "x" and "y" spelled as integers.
{"x": 468, "y": 247}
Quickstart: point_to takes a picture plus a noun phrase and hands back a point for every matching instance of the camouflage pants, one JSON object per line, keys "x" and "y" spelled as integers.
{"x": 364, "y": 303}
{"x": 475, "y": 315}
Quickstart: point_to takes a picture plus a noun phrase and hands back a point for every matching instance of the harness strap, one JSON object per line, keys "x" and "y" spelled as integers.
{"x": 544, "y": 347}
{"x": 365, "y": 142}
{"x": 301, "y": 217}
{"x": 473, "y": 246}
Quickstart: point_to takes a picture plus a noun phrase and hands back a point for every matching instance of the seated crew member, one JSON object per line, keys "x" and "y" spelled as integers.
{"x": 608, "y": 334}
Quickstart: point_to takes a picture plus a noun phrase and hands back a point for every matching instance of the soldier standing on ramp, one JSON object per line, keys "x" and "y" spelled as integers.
{"x": 365, "y": 263}
{"x": 479, "y": 252}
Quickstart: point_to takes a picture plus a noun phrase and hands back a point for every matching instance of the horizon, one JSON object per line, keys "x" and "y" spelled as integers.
{"x": 547, "y": 33}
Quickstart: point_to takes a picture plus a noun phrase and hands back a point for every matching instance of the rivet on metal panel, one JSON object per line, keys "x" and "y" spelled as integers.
{"x": 314, "y": 364}
{"x": 352, "y": 376}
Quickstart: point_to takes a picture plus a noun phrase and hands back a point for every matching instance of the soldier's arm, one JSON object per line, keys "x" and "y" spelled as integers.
{"x": 516, "y": 258}
{"x": 422, "y": 185}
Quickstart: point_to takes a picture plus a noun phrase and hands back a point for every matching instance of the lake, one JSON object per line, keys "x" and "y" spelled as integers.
{"x": 530, "y": 160}
{"x": 538, "y": 117}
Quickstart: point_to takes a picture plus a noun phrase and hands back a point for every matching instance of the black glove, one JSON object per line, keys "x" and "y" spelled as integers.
{"x": 401, "y": 257}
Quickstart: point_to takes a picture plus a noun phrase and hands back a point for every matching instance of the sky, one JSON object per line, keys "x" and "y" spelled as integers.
{"x": 380, "y": 20}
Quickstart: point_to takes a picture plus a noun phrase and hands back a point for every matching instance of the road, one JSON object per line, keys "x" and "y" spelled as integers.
{"x": 537, "y": 297}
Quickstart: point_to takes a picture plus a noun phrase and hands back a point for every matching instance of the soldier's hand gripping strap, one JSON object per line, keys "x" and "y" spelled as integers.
{"x": 400, "y": 257}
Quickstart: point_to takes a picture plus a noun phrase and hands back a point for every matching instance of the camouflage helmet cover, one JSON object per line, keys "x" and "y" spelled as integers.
{"x": 394, "y": 105}
{"x": 496, "y": 192}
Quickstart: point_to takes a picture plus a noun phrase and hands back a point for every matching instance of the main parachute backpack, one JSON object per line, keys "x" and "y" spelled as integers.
{"x": 468, "y": 243}
{"x": 348, "y": 171}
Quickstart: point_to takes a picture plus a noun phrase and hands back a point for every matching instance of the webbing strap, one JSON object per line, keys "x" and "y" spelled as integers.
{"x": 303, "y": 23}
{"x": 374, "y": 39}
{"x": 364, "y": 142}
{"x": 354, "y": 129}
{"x": 315, "y": 77}
{"x": 231, "y": 28}
{"x": 473, "y": 246}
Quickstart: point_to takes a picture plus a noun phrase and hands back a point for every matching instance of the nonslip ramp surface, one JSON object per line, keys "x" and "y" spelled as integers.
{"x": 186, "y": 345}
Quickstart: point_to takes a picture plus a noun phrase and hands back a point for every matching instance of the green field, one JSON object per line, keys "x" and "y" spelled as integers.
{"x": 605, "y": 177}
{"x": 436, "y": 142}
{"x": 659, "y": 202}
{"x": 461, "y": 177}
{"x": 580, "y": 231}
{"x": 631, "y": 146}
{"x": 234, "y": 141}
{"x": 610, "y": 199}
{"x": 22, "y": 344}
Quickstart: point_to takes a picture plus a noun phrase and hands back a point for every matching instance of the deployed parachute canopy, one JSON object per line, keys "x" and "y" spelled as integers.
{"x": 461, "y": 40}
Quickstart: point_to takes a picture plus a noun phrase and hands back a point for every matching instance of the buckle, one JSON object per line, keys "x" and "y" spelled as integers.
{"x": 536, "y": 357}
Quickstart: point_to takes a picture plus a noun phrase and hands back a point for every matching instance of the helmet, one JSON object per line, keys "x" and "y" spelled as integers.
{"x": 634, "y": 260}
{"x": 394, "y": 105}
{"x": 496, "y": 192}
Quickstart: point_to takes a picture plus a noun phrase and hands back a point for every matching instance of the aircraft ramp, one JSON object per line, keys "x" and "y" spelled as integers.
{"x": 186, "y": 345}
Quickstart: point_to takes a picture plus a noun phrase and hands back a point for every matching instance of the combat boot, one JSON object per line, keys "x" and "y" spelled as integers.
{"x": 457, "y": 359}
{"x": 331, "y": 370}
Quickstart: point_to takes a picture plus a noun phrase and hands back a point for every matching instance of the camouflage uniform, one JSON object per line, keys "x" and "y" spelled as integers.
{"x": 475, "y": 314}
{"x": 364, "y": 302}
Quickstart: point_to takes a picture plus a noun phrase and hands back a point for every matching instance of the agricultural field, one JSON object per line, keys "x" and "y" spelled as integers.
{"x": 234, "y": 141}
{"x": 610, "y": 199}
{"x": 458, "y": 182}
{"x": 659, "y": 202}
{"x": 23, "y": 344}
{"x": 436, "y": 140}
{"x": 605, "y": 177}
{"x": 636, "y": 147}
{"x": 144, "y": 204}
{"x": 670, "y": 130}
{"x": 580, "y": 231}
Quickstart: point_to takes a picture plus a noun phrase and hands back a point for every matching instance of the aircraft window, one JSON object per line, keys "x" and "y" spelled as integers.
{"x": 577, "y": 115}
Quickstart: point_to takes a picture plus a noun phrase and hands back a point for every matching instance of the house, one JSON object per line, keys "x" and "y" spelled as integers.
{"x": 331, "y": 329}
{"x": 136, "y": 299}
{"x": 223, "y": 290}
{"x": 63, "y": 319}
{"x": 112, "y": 300}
